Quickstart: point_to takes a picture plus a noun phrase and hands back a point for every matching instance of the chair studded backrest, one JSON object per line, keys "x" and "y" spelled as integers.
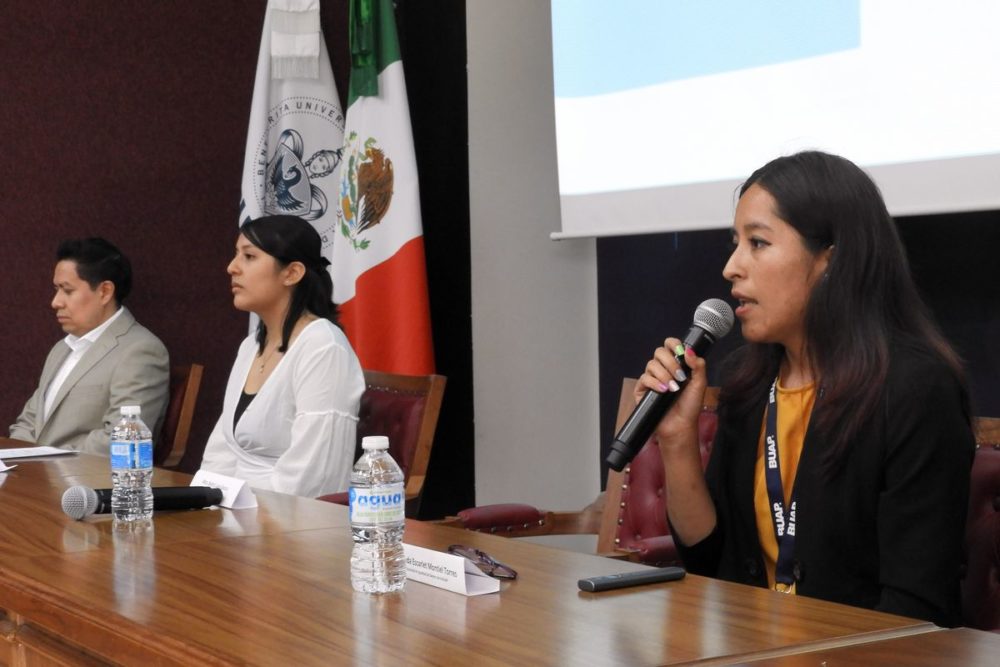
{"x": 405, "y": 409}
{"x": 641, "y": 509}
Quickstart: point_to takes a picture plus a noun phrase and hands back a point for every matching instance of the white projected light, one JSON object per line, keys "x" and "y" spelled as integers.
{"x": 663, "y": 108}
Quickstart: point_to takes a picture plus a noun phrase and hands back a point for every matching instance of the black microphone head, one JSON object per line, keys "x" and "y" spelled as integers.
{"x": 714, "y": 316}
{"x": 79, "y": 502}
{"x": 712, "y": 320}
{"x": 213, "y": 495}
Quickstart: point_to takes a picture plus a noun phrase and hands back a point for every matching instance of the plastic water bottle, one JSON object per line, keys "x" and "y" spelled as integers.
{"x": 377, "y": 502}
{"x": 131, "y": 468}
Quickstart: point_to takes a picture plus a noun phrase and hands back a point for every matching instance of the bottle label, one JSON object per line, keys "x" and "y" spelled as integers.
{"x": 131, "y": 455}
{"x": 377, "y": 505}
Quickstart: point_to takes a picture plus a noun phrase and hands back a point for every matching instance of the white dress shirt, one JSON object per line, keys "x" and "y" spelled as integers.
{"x": 298, "y": 434}
{"x": 78, "y": 346}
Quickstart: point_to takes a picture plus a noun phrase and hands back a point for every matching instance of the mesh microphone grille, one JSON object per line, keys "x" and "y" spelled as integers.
{"x": 714, "y": 316}
{"x": 79, "y": 502}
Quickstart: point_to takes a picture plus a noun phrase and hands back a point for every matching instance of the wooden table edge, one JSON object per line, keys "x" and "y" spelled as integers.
{"x": 73, "y": 626}
{"x": 918, "y": 628}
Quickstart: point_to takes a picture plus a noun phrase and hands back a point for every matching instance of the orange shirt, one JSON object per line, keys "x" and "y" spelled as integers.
{"x": 794, "y": 409}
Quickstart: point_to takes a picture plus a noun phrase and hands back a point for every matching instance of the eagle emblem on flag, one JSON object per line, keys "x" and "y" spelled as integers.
{"x": 365, "y": 189}
{"x": 288, "y": 181}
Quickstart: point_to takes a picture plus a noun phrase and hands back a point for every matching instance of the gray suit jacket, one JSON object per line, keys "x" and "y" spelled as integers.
{"x": 127, "y": 365}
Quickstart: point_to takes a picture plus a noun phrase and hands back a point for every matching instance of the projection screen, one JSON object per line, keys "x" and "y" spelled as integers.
{"x": 663, "y": 108}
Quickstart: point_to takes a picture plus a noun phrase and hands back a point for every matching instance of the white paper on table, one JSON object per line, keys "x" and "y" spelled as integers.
{"x": 236, "y": 493}
{"x": 26, "y": 452}
{"x": 447, "y": 571}
{"x": 4, "y": 467}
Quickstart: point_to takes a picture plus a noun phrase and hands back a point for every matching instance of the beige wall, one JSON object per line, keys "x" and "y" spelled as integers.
{"x": 534, "y": 300}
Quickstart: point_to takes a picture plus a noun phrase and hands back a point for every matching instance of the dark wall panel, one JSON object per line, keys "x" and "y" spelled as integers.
{"x": 126, "y": 120}
{"x": 954, "y": 261}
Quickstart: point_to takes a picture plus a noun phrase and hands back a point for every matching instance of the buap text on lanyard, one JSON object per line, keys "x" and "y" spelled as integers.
{"x": 783, "y": 521}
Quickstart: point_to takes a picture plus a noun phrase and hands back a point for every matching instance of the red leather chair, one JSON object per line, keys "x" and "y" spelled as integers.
{"x": 404, "y": 408}
{"x": 629, "y": 518}
{"x": 641, "y": 527}
{"x": 981, "y": 585}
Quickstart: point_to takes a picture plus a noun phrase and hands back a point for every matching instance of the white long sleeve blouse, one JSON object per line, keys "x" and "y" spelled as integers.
{"x": 297, "y": 435}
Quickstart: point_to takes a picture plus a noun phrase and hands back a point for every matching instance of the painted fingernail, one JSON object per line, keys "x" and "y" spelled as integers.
{"x": 680, "y": 375}
{"x": 674, "y": 387}
{"x": 662, "y": 388}
{"x": 689, "y": 352}
{"x": 679, "y": 349}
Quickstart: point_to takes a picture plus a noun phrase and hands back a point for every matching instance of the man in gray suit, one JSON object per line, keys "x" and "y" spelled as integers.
{"x": 106, "y": 360}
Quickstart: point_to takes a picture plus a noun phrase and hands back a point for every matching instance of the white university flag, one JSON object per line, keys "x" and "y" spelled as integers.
{"x": 296, "y": 135}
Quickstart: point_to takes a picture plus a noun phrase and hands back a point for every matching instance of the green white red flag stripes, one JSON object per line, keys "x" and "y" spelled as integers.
{"x": 379, "y": 270}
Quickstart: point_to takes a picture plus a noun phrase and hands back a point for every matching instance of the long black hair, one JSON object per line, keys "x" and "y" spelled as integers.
{"x": 864, "y": 305}
{"x": 289, "y": 239}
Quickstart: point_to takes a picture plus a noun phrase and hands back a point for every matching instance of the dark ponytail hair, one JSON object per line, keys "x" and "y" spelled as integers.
{"x": 288, "y": 239}
{"x": 864, "y": 306}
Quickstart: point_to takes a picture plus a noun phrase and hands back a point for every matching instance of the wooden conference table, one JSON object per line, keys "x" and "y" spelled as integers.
{"x": 271, "y": 586}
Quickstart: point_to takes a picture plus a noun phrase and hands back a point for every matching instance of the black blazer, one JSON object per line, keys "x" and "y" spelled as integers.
{"x": 887, "y": 531}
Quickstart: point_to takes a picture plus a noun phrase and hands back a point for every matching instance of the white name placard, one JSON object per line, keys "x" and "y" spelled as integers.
{"x": 447, "y": 571}
{"x": 236, "y": 494}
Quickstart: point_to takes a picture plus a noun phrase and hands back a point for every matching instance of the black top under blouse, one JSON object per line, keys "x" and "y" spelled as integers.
{"x": 241, "y": 406}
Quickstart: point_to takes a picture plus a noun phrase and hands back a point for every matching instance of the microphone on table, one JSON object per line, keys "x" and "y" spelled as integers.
{"x": 79, "y": 502}
{"x": 712, "y": 320}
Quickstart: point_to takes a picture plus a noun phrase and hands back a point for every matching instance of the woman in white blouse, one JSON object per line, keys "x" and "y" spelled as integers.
{"x": 291, "y": 408}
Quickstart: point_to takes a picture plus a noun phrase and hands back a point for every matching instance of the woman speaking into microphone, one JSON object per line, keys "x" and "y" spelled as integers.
{"x": 290, "y": 413}
{"x": 840, "y": 469}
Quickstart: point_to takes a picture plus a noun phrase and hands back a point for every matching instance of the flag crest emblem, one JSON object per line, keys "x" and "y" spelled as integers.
{"x": 290, "y": 183}
{"x": 289, "y": 179}
{"x": 366, "y": 188}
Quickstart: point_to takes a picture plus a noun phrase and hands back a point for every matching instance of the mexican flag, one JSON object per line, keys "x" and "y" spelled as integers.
{"x": 379, "y": 272}
{"x": 296, "y": 133}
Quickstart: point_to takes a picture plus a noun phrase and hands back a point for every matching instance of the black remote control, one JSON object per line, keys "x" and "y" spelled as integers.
{"x": 610, "y": 581}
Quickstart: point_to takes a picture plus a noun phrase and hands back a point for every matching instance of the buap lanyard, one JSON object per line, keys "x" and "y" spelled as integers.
{"x": 784, "y": 522}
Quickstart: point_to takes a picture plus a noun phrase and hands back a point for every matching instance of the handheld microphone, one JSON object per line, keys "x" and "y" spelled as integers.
{"x": 79, "y": 502}
{"x": 712, "y": 320}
